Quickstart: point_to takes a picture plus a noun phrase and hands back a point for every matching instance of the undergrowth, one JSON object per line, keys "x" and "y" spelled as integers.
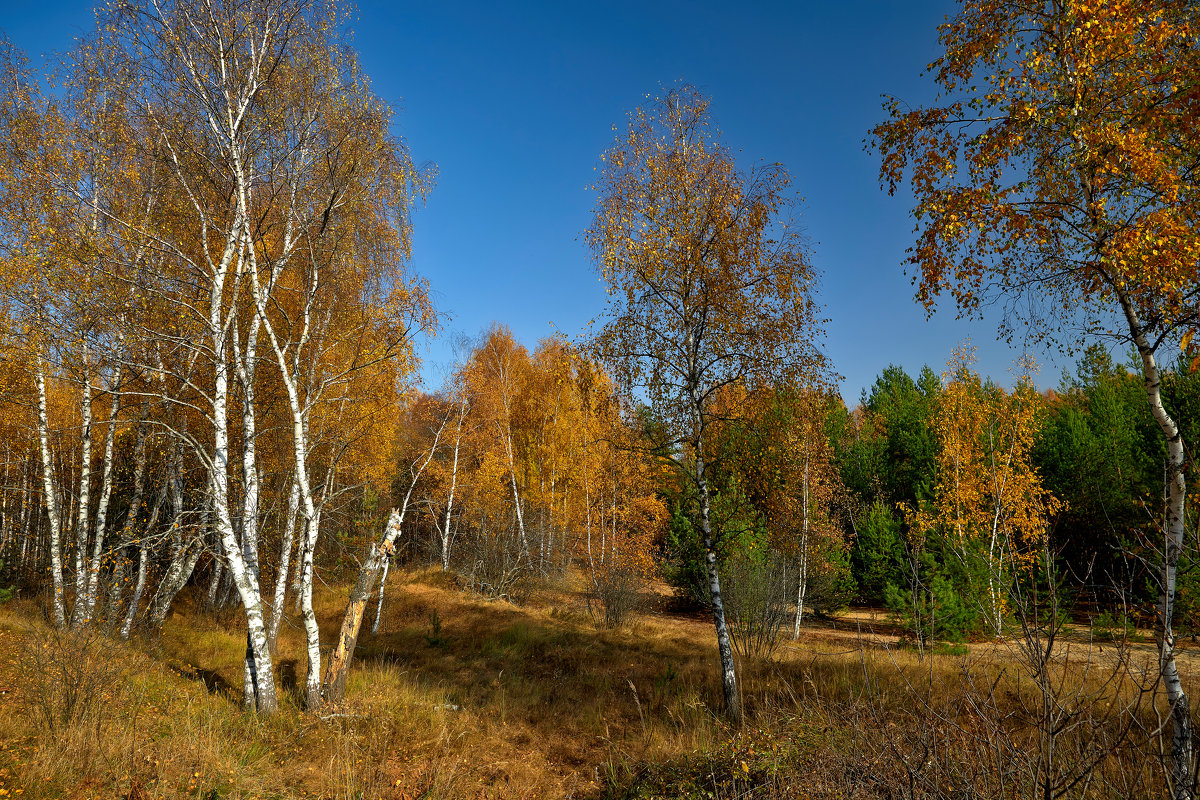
{"x": 459, "y": 696}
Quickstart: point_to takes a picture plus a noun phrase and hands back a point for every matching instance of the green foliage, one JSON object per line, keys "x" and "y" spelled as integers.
{"x": 8, "y": 593}
{"x": 740, "y": 532}
{"x": 1100, "y": 451}
{"x": 435, "y": 637}
{"x": 831, "y": 583}
{"x": 876, "y": 559}
{"x": 943, "y": 595}
{"x": 903, "y": 409}
{"x": 683, "y": 566}
{"x": 1111, "y": 626}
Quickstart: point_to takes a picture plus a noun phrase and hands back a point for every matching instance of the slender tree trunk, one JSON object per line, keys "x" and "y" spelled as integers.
{"x": 139, "y": 587}
{"x": 93, "y": 577}
{"x": 50, "y": 499}
{"x": 116, "y": 586}
{"x": 281, "y": 575}
{"x": 450, "y": 497}
{"x": 312, "y": 634}
{"x": 5, "y": 503}
{"x": 729, "y": 681}
{"x": 79, "y": 610}
{"x": 512, "y": 473}
{"x": 1182, "y": 747}
{"x": 140, "y": 461}
{"x": 214, "y": 584}
{"x": 802, "y": 587}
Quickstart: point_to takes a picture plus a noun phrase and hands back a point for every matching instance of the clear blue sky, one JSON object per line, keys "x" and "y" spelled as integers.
{"x": 514, "y": 102}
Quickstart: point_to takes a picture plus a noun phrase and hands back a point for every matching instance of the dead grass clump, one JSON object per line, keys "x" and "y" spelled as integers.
{"x": 72, "y": 678}
{"x": 75, "y": 694}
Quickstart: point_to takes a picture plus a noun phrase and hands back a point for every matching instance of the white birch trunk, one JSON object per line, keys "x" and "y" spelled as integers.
{"x": 450, "y": 496}
{"x": 729, "y": 682}
{"x": 382, "y": 585}
{"x": 93, "y": 577}
{"x": 139, "y": 587}
{"x": 802, "y": 587}
{"x": 79, "y": 610}
{"x": 1182, "y": 748}
{"x": 281, "y": 575}
{"x": 50, "y": 499}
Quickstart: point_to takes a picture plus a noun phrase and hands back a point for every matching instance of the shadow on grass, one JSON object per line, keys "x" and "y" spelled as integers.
{"x": 213, "y": 682}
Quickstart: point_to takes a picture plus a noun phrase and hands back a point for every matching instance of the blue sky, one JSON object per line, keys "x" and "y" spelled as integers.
{"x": 514, "y": 102}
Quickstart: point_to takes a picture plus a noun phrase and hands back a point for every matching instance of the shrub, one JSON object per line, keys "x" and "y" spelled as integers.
{"x": 757, "y": 592}
{"x": 615, "y": 595}
{"x": 493, "y": 564}
{"x": 70, "y": 678}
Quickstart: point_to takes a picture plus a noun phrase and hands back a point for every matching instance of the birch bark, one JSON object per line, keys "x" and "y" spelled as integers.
{"x": 1182, "y": 747}
{"x": 79, "y": 609}
{"x": 93, "y": 576}
{"x": 50, "y": 498}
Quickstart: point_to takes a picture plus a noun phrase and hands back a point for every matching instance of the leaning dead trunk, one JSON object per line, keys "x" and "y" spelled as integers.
{"x": 339, "y": 662}
{"x": 368, "y": 575}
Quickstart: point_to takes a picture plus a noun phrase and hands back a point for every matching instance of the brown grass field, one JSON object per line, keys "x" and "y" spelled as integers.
{"x": 463, "y": 697}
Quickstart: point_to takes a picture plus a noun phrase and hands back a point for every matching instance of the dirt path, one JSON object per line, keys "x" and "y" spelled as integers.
{"x": 873, "y": 628}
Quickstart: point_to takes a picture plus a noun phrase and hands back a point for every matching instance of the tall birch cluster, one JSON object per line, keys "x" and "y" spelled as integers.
{"x": 206, "y": 305}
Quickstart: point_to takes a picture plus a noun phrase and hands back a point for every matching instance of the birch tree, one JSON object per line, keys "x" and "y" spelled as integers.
{"x": 708, "y": 286}
{"x": 1058, "y": 173}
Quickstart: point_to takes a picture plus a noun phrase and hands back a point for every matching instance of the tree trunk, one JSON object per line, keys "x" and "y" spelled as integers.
{"x": 139, "y": 587}
{"x": 450, "y": 497}
{"x": 1176, "y": 496}
{"x": 368, "y": 575}
{"x": 729, "y": 682}
{"x": 281, "y": 575}
{"x": 79, "y": 610}
{"x": 140, "y": 460}
{"x": 379, "y": 605}
{"x": 339, "y": 661}
{"x": 93, "y": 577}
{"x": 802, "y": 585}
{"x": 50, "y": 499}
{"x": 214, "y": 583}
{"x": 264, "y": 697}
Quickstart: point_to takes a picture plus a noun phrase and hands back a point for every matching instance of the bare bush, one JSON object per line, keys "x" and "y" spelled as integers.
{"x": 615, "y": 595}
{"x": 493, "y": 564}
{"x": 70, "y": 678}
{"x": 757, "y": 594}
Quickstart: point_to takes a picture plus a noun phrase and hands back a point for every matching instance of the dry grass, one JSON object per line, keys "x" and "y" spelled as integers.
{"x": 462, "y": 697}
